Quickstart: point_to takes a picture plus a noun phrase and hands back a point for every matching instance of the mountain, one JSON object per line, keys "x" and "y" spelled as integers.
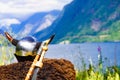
{"x": 2, "y": 32}
{"x": 34, "y": 23}
{"x": 87, "y": 21}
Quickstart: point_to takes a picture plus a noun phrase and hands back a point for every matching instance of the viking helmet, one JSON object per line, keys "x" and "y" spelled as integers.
{"x": 26, "y": 47}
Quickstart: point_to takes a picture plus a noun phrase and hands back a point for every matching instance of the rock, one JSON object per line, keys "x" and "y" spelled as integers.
{"x": 53, "y": 69}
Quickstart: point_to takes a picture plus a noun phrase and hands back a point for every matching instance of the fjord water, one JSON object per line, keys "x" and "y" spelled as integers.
{"x": 86, "y": 51}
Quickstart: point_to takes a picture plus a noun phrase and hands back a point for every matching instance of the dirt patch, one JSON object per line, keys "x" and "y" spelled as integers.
{"x": 53, "y": 69}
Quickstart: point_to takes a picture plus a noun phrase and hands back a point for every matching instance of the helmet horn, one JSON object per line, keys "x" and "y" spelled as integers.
{"x": 9, "y": 37}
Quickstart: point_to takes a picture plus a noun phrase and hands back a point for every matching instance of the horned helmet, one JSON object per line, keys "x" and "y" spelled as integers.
{"x": 26, "y": 48}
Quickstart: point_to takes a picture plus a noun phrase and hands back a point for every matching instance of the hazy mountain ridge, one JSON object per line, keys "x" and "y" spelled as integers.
{"x": 34, "y": 23}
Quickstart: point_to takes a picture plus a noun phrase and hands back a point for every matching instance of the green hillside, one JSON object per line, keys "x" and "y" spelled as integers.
{"x": 89, "y": 21}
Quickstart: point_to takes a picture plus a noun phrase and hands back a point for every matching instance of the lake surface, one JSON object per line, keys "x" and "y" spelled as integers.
{"x": 87, "y": 51}
{"x": 82, "y": 51}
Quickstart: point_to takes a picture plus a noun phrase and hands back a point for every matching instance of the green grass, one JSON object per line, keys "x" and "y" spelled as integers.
{"x": 111, "y": 73}
{"x": 6, "y": 52}
{"x": 98, "y": 72}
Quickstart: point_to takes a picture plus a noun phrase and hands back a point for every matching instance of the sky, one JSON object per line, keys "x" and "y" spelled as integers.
{"x": 24, "y": 8}
{"x": 17, "y": 11}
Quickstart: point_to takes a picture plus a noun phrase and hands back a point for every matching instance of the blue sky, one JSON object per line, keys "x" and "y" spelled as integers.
{"x": 22, "y": 9}
{"x": 15, "y": 11}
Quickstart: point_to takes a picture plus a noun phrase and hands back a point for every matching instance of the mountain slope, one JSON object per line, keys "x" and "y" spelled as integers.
{"x": 35, "y": 23}
{"x": 88, "y": 21}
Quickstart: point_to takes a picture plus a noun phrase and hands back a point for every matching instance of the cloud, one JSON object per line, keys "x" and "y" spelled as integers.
{"x": 22, "y": 9}
{"x": 8, "y": 22}
{"x": 16, "y": 11}
{"x": 31, "y": 6}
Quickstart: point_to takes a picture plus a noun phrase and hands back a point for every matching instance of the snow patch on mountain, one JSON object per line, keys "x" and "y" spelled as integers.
{"x": 46, "y": 23}
{"x": 27, "y": 30}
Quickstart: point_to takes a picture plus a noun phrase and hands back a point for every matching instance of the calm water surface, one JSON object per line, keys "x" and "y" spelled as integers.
{"x": 87, "y": 51}
{"x": 83, "y": 51}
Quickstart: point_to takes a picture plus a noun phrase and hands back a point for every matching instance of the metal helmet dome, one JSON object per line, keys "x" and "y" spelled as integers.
{"x": 29, "y": 38}
{"x": 25, "y": 47}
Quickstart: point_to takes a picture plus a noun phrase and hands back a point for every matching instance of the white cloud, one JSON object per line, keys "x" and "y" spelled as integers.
{"x": 8, "y": 22}
{"x": 14, "y": 11}
{"x": 31, "y": 6}
{"x": 22, "y": 9}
